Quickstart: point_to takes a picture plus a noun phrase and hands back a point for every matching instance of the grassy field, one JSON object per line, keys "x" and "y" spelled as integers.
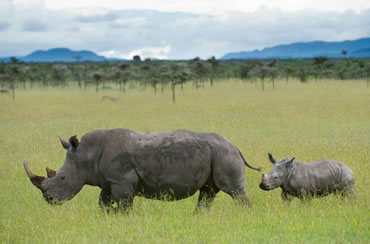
{"x": 327, "y": 119}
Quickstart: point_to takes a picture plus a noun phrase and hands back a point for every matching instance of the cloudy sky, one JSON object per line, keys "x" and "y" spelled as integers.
{"x": 175, "y": 29}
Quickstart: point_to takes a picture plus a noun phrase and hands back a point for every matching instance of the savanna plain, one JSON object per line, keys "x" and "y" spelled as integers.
{"x": 309, "y": 121}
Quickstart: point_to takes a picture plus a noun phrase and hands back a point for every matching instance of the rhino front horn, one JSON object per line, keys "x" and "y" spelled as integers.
{"x": 35, "y": 179}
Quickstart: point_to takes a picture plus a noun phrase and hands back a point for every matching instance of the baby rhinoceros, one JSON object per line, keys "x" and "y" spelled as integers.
{"x": 306, "y": 180}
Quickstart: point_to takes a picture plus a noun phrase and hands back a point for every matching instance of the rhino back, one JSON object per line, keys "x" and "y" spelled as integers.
{"x": 320, "y": 176}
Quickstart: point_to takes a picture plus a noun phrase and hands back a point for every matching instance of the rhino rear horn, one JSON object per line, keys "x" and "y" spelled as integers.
{"x": 35, "y": 179}
{"x": 50, "y": 173}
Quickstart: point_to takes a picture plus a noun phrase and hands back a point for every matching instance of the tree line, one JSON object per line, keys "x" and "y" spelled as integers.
{"x": 160, "y": 74}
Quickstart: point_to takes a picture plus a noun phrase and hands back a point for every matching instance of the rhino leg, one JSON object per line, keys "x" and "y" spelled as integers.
{"x": 241, "y": 198}
{"x": 123, "y": 191}
{"x": 206, "y": 196}
{"x": 347, "y": 192}
{"x": 106, "y": 199}
{"x": 286, "y": 196}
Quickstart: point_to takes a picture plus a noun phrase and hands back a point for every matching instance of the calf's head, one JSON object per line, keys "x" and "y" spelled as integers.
{"x": 278, "y": 174}
{"x": 64, "y": 184}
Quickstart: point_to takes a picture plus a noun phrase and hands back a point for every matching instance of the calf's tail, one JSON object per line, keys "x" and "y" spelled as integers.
{"x": 247, "y": 164}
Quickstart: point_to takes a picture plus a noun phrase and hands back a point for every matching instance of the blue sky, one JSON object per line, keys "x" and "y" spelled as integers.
{"x": 175, "y": 29}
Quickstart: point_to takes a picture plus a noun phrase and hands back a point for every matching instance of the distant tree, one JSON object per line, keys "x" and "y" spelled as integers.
{"x": 318, "y": 63}
{"x": 58, "y": 75}
{"x": 124, "y": 75}
{"x": 245, "y": 71}
{"x": 302, "y": 73}
{"x": 3, "y": 74}
{"x": 136, "y": 58}
{"x": 76, "y": 75}
{"x": 320, "y": 60}
{"x": 262, "y": 71}
{"x": 200, "y": 71}
{"x": 151, "y": 73}
{"x": 288, "y": 71}
{"x": 344, "y": 53}
{"x": 272, "y": 63}
{"x": 14, "y": 60}
{"x": 273, "y": 71}
{"x": 196, "y": 59}
{"x": 33, "y": 75}
{"x": 176, "y": 74}
{"x": 97, "y": 77}
{"x": 14, "y": 73}
{"x": 214, "y": 66}
{"x": 367, "y": 72}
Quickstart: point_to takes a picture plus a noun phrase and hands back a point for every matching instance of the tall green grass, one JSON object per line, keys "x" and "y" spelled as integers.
{"x": 327, "y": 119}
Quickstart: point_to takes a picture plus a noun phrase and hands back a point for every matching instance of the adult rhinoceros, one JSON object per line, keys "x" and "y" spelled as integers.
{"x": 305, "y": 180}
{"x": 166, "y": 165}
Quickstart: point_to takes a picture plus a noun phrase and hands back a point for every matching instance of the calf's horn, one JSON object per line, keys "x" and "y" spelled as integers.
{"x": 35, "y": 179}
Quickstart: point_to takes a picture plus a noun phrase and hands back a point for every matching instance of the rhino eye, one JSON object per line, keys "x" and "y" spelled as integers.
{"x": 62, "y": 178}
{"x": 275, "y": 177}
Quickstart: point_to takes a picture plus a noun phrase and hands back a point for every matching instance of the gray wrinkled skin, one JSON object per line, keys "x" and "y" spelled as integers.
{"x": 166, "y": 165}
{"x": 306, "y": 180}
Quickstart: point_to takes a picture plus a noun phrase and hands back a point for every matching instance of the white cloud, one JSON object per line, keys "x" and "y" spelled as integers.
{"x": 205, "y": 6}
{"x": 173, "y": 35}
{"x": 160, "y": 52}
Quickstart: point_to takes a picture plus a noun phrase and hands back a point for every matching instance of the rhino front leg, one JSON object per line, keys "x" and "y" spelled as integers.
{"x": 347, "y": 193}
{"x": 123, "y": 191}
{"x": 106, "y": 200}
{"x": 286, "y": 197}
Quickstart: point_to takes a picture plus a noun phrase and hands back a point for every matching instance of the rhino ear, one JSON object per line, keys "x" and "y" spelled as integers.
{"x": 272, "y": 159}
{"x": 290, "y": 163}
{"x": 74, "y": 142}
{"x": 65, "y": 144}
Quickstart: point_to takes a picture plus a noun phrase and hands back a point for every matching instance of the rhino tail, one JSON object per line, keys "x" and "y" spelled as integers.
{"x": 247, "y": 164}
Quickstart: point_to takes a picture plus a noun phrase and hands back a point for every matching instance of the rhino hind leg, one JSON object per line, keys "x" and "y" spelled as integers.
{"x": 241, "y": 198}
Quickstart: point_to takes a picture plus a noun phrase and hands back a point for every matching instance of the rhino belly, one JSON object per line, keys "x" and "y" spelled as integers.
{"x": 170, "y": 192}
{"x": 171, "y": 183}
{"x": 173, "y": 171}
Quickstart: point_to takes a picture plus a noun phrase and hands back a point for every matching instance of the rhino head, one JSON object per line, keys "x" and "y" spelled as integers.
{"x": 277, "y": 176}
{"x": 64, "y": 184}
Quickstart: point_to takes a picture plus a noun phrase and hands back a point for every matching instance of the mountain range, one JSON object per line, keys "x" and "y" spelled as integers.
{"x": 359, "y": 48}
{"x": 62, "y": 55}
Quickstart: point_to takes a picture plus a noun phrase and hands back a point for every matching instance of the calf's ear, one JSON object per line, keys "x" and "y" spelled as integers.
{"x": 272, "y": 159}
{"x": 65, "y": 144}
{"x": 290, "y": 163}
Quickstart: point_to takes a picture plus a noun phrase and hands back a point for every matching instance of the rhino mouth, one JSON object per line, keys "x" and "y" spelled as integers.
{"x": 265, "y": 187}
{"x": 52, "y": 200}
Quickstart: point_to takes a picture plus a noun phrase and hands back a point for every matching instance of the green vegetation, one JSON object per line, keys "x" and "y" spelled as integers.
{"x": 310, "y": 120}
{"x": 155, "y": 73}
